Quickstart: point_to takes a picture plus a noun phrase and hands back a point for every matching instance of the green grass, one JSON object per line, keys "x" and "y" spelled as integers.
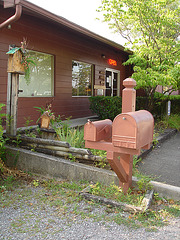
{"x": 115, "y": 193}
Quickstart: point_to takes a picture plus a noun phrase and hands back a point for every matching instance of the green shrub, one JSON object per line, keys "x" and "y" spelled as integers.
{"x": 106, "y": 107}
{"x": 110, "y": 107}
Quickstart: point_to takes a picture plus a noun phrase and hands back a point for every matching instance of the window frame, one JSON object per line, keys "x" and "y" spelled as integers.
{"x": 92, "y": 78}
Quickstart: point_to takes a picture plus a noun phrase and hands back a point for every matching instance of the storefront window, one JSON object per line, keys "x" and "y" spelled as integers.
{"x": 41, "y": 77}
{"x": 81, "y": 78}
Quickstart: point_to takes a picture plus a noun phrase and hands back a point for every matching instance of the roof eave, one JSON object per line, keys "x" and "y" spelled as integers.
{"x": 63, "y": 21}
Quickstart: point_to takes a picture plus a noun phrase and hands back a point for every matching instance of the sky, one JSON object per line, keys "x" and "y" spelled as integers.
{"x": 83, "y": 13}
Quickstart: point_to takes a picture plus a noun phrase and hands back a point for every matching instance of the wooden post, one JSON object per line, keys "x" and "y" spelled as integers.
{"x": 12, "y": 102}
{"x": 8, "y": 105}
{"x": 129, "y": 96}
{"x": 15, "y": 67}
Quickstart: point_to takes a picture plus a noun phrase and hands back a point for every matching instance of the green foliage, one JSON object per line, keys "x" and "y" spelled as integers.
{"x": 106, "y": 107}
{"x": 103, "y": 163}
{"x": 75, "y": 137}
{"x": 28, "y": 130}
{"x": 110, "y": 107}
{"x": 144, "y": 183}
{"x": 173, "y": 210}
{"x": 115, "y": 193}
{"x": 35, "y": 183}
{"x": 136, "y": 160}
{"x": 46, "y": 110}
{"x": 27, "y": 61}
{"x": 2, "y": 140}
{"x": 55, "y": 122}
{"x": 72, "y": 157}
{"x": 172, "y": 121}
{"x": 151, "y": 29}
{"x": 41, "y": 110}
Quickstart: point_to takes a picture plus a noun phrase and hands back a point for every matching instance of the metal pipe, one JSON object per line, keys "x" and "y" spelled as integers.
{"x": 14, "y": 18}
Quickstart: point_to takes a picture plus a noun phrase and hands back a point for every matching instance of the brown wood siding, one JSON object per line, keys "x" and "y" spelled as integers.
{"x": 65, "y": 45}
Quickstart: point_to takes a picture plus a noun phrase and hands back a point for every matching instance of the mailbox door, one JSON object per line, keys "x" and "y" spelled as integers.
{"x": 89, "y": 132}
{"x": 124, "y": 133}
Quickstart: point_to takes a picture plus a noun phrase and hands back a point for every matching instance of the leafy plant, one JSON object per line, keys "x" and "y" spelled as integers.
{"x": 55, "y": 122}
{"x": 2, "y": 140}
{"x": 27, "y": 61}
{"x": 18, "y": 140}
{"x": 43, "y": 110}
{"x": 143, "y": 182}
{"x": 136, "y": 160}
{"x": 151, "y": 29}
{"x": 72, "y": 157}
{"x": 28, "y": 132}
{"x": 75, "y": 137}
{"x": 35, "y": 183}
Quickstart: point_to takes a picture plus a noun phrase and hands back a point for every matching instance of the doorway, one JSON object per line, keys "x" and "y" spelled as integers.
{"x": 112, "y": 82}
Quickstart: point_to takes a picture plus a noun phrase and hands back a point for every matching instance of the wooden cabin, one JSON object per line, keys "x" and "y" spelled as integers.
{"x": 72, "y": 63}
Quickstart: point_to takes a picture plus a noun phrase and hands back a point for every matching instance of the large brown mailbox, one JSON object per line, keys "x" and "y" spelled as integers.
{"x": 133, "y": 130}
{"x": 97, "y": 131}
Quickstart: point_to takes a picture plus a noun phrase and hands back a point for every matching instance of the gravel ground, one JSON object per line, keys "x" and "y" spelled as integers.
{"x": 25, "y": 214}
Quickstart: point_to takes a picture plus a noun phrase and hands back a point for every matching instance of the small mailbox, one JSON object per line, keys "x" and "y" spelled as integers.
{"x": 97, "y": 131}
{"x": 133, "y": 130}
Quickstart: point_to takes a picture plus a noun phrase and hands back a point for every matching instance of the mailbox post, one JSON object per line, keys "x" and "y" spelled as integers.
{"x": 129, "y": 95}
{"x": 129, "y": 132}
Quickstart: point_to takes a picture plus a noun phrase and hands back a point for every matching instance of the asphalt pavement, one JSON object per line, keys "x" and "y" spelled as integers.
{"x": 163, "y": 162}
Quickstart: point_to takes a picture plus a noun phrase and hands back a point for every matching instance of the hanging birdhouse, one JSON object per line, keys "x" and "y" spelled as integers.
{"x": 15, "y": 61}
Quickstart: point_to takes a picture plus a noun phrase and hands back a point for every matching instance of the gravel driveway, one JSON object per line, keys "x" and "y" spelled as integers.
{"x": 33, "y": 213}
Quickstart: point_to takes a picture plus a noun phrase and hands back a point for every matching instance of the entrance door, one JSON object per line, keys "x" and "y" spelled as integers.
{"x": 112, "y": 82}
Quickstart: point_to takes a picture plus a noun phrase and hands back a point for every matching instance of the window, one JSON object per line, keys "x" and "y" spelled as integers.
{"x": 81, "y": 78}
{"x": 41, "y": 76}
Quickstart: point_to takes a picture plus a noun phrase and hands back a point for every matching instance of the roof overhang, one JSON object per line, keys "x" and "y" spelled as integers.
{"x": 34, "y": 10}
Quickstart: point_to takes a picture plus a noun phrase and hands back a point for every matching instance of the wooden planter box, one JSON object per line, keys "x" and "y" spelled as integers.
{"x": 45, "y": 121}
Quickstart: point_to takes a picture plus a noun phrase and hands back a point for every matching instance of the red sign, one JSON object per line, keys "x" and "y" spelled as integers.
{"x": 112, "y": 62}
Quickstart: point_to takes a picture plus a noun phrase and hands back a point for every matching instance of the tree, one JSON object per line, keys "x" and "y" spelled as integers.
{"x": 151, "y": 28}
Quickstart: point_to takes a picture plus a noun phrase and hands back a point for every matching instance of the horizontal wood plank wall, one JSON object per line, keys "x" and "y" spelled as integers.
{"x": 66, "y": 46}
